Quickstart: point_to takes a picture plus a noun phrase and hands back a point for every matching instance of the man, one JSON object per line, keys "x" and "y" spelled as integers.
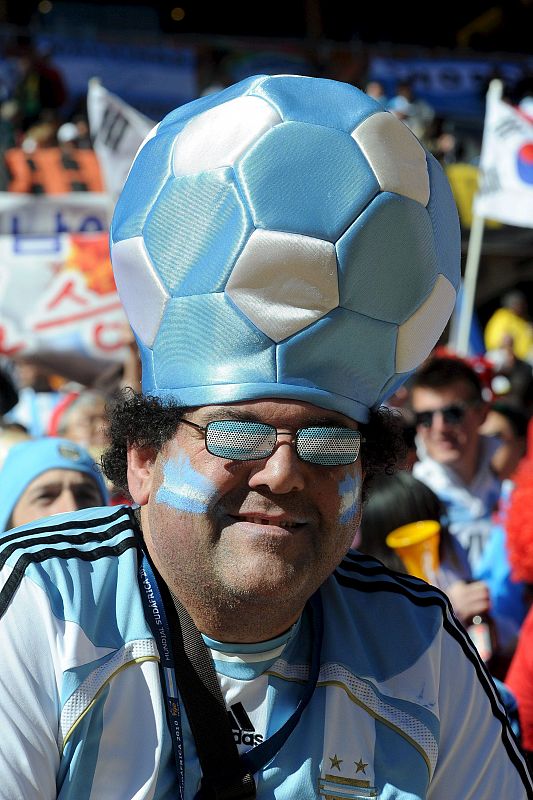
{"x": 464, "y": 468}
{"x": 246, "y": 454}
{"x": 41, "y": 477}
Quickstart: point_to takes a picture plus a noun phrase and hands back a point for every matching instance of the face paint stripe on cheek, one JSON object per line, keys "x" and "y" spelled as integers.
{"x": 350, "y": 494}
{"x": 184, "y": 488}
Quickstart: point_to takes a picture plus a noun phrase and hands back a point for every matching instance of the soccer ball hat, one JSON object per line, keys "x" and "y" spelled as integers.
{"x": 285, "y": 238}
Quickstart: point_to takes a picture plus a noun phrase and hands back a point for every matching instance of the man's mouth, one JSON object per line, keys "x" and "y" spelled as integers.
{"x": 277, "y": 522}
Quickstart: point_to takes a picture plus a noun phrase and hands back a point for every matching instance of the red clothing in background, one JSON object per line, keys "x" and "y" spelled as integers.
{"x": 520, "y": 680}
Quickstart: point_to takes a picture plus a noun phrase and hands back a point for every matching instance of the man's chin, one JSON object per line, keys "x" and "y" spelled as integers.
{"x": 447, "y": 455}
{"x": 276, "y": 581}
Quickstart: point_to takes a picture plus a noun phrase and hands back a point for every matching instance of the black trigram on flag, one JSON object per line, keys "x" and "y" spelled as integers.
{"x": 112, "y": 128}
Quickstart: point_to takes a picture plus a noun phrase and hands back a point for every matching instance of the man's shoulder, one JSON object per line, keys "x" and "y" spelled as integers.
{"x": 68, "y": 564}
{"x": 376, "y": 593}
{"x": 91, "y": 539}
{"x": 379, "y": 622}
{"x": 83, "y": 528}
{"x": 361, "y": 573}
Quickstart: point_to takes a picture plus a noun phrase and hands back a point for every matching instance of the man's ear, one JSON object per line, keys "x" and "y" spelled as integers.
{"x": 141, "y": 464}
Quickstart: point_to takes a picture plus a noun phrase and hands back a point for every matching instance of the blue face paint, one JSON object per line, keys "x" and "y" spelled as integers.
{"x": 185, "y": 489}
{"x": 350, "y": 495}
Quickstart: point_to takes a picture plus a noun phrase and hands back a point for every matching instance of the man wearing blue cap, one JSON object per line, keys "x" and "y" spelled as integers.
{"x": 287, "y": 254}
{"x": 41, "y": 477}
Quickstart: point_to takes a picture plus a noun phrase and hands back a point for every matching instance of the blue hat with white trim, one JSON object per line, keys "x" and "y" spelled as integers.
{"x": 287, "y": 238}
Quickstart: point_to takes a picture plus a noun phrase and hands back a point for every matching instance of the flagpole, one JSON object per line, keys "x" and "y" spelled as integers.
{"x": 466, "y": 310}
{"x": 473, "y": 257}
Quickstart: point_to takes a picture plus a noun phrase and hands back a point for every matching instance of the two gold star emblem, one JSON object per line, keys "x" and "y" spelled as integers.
{"x": 360, "y": 766}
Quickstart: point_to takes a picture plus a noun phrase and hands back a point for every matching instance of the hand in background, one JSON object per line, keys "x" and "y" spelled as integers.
{"x": 469, "y": 599}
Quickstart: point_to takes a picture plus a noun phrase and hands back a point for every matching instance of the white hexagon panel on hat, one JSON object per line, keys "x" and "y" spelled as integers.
{"x": 284, "y": 281}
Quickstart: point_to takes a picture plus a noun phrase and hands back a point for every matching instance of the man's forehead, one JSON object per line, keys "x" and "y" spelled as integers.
{"x": 271, "y": 409}
{"x": 436, "y": 395}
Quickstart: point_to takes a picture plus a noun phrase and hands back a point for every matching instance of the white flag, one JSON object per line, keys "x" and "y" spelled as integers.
{"x": 117, "y": 131}
{"x": 506, "y": 186}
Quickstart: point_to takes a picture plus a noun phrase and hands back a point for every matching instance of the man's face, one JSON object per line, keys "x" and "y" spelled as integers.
{"x": 53, "y": 492}
{"x": 451, "y": 434}
{"x": 263, "y": 531}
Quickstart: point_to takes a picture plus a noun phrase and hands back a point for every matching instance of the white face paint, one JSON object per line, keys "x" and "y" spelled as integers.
{"x": 184, "y": 488}
{"x": 350, "y": 495}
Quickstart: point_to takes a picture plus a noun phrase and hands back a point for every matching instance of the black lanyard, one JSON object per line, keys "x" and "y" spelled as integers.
{"x": 154, "y": 612}
{"x": 187, "y": 665}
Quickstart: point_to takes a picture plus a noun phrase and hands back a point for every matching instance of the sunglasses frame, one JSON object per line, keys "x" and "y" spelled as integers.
{"x": 295, "y": 438}
{"x": 460, "y": 409}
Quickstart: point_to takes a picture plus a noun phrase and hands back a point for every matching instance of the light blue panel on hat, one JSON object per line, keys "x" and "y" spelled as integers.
{"x": 289, "y": 189}
{"x": 387, "y": 259}
{"x": 203, "y": 340}
{"x": 345, "y": 354}
{"x": 152, "y": 168}
{"x": 192, "y": 250}
{"x": 391, "y": 385}
{"x": 445, "y": 220}
{"x": 317, "y": 100}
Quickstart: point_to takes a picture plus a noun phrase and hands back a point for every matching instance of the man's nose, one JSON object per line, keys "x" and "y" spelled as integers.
{"x": 281, "y": 472}
{"x": 66, "y": 501}
{"x": 438, "y": 421}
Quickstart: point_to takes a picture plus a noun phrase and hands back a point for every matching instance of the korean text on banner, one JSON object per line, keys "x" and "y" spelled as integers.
{"x": 58, "y": 294}
{"x": 506, "y": 191}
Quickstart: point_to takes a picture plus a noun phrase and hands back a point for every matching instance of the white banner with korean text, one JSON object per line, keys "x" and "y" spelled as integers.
{"x": 57, "y": 293}
{"x": 51, "y": 214}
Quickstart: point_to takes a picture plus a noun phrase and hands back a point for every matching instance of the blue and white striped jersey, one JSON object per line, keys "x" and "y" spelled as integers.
{"x": 403, "y": 707}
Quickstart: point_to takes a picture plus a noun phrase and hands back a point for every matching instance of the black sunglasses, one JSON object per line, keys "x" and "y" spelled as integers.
{"x": 453, "y": 414}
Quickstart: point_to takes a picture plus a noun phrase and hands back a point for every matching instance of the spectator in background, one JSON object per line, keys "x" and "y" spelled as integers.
{"x": 82, "y": 418}
{"x": 47, "y": 476}
{"x": 40, "y": 88}
{"x": 511, "y": 321}
{"x": 463, "y": 467}
{"x": 36, "y": 396}
{"x": 513, "y": 376}
{"x": 413, "y": 111}
{"x": 376, "y": 90}
{"x": 506, "y": 423}
{"x": 467, "y": 470}
{"x": 396, "y": 500}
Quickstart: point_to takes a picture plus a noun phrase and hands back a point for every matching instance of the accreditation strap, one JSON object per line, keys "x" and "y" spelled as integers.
{"x": 155, "y": 614}
{"x": 187, "y": 667}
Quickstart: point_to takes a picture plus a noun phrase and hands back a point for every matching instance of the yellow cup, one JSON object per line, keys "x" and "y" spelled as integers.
{"x": 417, "y": 544}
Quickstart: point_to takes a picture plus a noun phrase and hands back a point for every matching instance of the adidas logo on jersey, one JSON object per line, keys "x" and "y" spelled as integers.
{"x": 241, "y": 725}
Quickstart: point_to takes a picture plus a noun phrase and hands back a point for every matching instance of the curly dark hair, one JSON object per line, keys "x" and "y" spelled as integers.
{"x": 140, "y": 421}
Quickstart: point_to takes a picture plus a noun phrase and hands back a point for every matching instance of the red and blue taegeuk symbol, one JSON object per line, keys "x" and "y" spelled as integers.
{"x": 524, "y": 162}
